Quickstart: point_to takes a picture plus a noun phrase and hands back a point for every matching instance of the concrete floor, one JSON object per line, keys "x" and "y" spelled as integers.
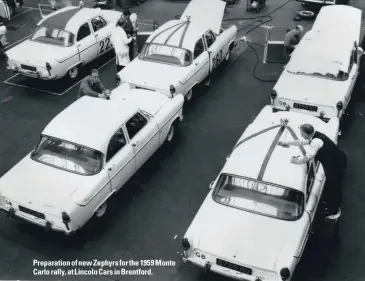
{"x": 162, "y": 199}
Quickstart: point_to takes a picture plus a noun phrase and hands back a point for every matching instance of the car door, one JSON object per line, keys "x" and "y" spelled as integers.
{"x": 214, "y": 50}
{"x": 86, "y": 43}
{"x": 274, "y": 51}
{"x": 120, "y": 160}
{"x": 201, "y": 60}
{"x": 4, "y": 10}
{"x": 102, "y": 34}
{"x": 143, "y": 136}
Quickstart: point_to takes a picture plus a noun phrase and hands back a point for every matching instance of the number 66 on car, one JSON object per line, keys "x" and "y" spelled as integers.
{"x": 63, "y": 42}
{"x": 83, "y": 158}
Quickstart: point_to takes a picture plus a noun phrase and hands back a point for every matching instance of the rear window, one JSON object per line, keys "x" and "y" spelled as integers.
{"x": 259, "y": 197}
{"x": 166, "y": 54}
{"x": 53, "y": 36}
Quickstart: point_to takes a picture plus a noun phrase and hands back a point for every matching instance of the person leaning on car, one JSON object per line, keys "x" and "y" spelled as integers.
{"x": 292, "y": 38}
{"x": 332, "y": 158}
{"x": 92, "y": 86}
{"x": 129, "y": 28}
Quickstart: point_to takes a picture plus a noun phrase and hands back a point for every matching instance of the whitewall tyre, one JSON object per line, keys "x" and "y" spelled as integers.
{"x": 73, "y": 73}
{"x": 189, "y": 94}
{"x": 228, "y": 55}
{"x": 101, "y": 211}
{"x": 171, "y": 133}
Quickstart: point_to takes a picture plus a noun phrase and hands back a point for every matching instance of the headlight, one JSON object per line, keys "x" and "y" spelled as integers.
{"x": 285, "y": 273}
{"x": 185, "y": 244}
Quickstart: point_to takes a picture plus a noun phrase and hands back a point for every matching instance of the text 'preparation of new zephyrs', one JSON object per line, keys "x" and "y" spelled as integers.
{"x": 96, "y": 267}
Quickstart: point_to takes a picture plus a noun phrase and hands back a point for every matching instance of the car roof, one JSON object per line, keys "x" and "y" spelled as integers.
{"x": 178, "y": 33}
{"x": 91, "y": 122}
{"x": 328, "y": 45}
{"x": 260, "y": 158}
{"x": 69, "y": 18}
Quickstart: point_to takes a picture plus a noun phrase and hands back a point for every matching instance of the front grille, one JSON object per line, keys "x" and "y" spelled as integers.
{"x": 28, "y": 67}
{"x": 234, "y": 266}
{"x": 31, "y": 212}
{"x": 305, "y": 107}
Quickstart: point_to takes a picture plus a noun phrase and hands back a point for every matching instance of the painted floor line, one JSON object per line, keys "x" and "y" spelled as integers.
{"x": 15, "y": 75}
{"x": 82, "y": 79}
{"x": 22, "y": 13}
{"x": 33, "y": 8}
{"x": 31, "y": 88}
{"x": 16, "y": 42}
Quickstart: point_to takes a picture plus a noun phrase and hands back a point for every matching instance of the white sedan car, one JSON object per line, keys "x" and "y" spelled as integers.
{"x": 182, "y": 53}
{"x": 255, "y": 222}
{"x": 63, "y": 42}
{"x": 85, "y": 156}
{"x": 321, "y": 74}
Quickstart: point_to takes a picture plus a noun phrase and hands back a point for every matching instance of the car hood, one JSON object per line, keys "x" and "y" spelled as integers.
{"x": 31, "y": 181}
{"x": 235, "y": 234}
{"x": 151, "y": 75}
{"x": 308, "y": 89}
{"x": 37, "y": 53}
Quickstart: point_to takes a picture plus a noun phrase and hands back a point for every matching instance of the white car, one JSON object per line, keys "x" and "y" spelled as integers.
{"x": 255, "y": 221}
{"x": 322, "y": 71}
{"x": 63, "y": 42}
{"x": 85, "y": 156}
{"x": 182, "y": 53}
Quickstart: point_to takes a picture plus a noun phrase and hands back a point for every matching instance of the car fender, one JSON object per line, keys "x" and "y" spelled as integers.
{"x": 168, "y": 114}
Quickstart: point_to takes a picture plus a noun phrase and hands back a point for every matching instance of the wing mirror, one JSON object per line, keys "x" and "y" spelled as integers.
{"x": 211, "y": 185}
{"x": 311, "y": 205}
{"x": 228, "y": 157}
{"x": 360, "y": 51}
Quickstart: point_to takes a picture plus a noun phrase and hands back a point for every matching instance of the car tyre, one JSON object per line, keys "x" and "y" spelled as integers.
{"x": 189, "y": 95}
{"x": 306, "y": 14}
{"x": 228, "y": 55}
{"x": 73, "y": 73}
{"x": 100, "y": 212}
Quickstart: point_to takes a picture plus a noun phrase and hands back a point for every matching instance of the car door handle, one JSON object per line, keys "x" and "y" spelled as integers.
{"x": 196, "y": 63}
{"x": 135, "y": 143}
{"x": 96, "y": 35}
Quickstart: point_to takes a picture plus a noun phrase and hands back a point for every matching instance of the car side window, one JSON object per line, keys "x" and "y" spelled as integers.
{"x": 199, "y": 48}
{"x": 135, "y": 124}
{"x": 209, "y": 38}
{"x": 117, "y": 142}
{"x": 310, "y": 178}
{"x": 98, "y": 23}
{"x": 84, "y": 31}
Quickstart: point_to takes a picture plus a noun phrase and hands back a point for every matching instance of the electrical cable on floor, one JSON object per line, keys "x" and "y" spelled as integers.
{"x": 259, "y": 19}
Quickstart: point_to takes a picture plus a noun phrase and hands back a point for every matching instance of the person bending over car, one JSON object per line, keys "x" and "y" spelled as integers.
{"x": 292, "y": 38}
{"x": 333, "y": 160}
{"x": 92, "y": 86}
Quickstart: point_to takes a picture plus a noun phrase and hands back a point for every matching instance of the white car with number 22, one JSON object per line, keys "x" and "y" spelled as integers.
{"x": 255, "y": 222}
{"x": 85, "y": 156}
{"x": 182, "y": 53}
{"x": 63, "y": 42}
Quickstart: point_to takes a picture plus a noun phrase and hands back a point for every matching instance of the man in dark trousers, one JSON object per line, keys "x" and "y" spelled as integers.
{"x": 128, "y": 28}
{"x": 333, "y": 160}
{"x": 92, "y": 86}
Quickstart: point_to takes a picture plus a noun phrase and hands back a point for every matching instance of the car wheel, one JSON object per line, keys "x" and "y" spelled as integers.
{"x": 189, "y": 94}
{"x": 101, "y": 211}
{"x": 73, "y": 72}
{"x": 171, "y": 133}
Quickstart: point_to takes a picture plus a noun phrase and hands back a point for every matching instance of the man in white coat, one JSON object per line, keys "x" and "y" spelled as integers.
{"x": 120, "y": 43}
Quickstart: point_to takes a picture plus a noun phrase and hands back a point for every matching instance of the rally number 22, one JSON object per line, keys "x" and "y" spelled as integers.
{"x": 104, "y": 45}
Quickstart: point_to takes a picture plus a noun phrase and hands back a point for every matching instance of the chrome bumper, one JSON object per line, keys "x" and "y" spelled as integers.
{"x": 221, "y": 270}
{"x": 33, "y": 74}
{"x": 39, "y": 222}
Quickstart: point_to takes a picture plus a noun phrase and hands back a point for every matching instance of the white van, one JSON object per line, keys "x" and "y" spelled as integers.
{"x": 324, "y": 66}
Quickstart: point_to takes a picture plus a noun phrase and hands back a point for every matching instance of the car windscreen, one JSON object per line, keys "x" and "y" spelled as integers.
{"x": 166, "y": 54}
{"x": 53, "y": 36}
{"x": 68, "y": 156}
{"x": 259, "y": 197}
